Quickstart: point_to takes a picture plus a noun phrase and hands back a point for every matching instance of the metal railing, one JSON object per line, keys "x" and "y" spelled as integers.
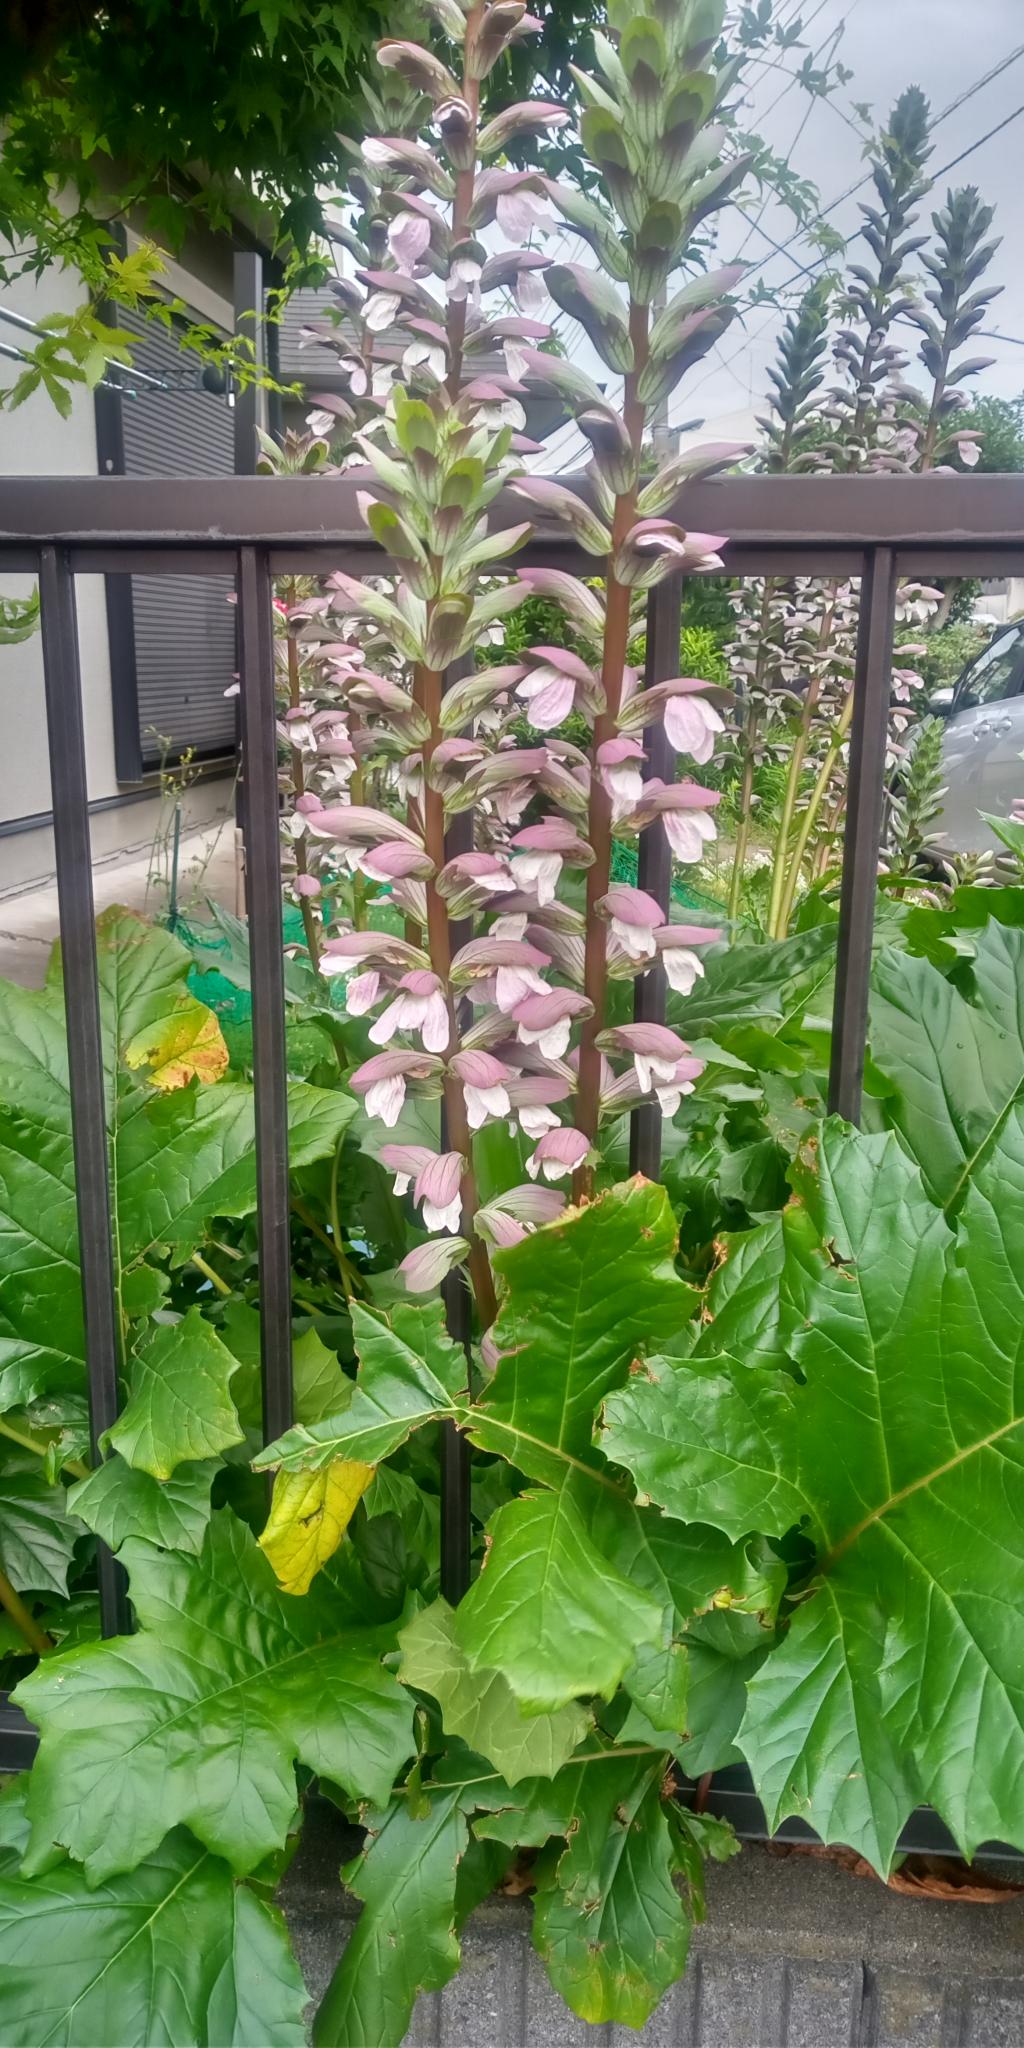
{"x": 876, "y": 529}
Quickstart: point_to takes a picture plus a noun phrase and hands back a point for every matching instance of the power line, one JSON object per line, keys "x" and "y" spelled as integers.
{"x": 997, "y": 71}
{"x": 808, "y": 269}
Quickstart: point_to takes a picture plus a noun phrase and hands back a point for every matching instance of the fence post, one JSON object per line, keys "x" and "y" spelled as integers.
{"x": 654, "y": 858}
{"x": 865, "y": 804}
{"x": 73, "y": 852}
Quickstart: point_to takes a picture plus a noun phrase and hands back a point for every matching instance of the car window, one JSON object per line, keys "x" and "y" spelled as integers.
{"x": 996, "y": 673}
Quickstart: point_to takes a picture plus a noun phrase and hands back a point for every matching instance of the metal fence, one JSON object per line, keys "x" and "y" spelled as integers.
{"x": 877, "y": 529}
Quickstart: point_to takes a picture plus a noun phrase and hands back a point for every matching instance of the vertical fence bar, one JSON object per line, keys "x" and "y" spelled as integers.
{"x": 266, "y": 959}
{"x": 862, "y": 838}
{"x": 73, "y": 852}
{"x": 248, "y": 413}
{"x": 654, "y": 865}
{"x": 456, "y": 1521}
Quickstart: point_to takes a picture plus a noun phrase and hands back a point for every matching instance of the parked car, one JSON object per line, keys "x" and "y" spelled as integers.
{"x": 983, "y": 745}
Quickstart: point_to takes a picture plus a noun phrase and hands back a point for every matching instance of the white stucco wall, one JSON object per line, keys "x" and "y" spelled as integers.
{"x": 35, "y": 441}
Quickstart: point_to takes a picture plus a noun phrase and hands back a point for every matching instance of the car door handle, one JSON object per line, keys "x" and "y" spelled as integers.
{"x": 982, "y": 731}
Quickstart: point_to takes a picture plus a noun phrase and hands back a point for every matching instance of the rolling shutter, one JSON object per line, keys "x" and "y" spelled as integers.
{"x": 172, "y": 637}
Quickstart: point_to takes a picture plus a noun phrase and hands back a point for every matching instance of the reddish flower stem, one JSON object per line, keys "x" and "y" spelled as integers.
{"x": 599, "y": 828}
{"x": 428, "y": 691}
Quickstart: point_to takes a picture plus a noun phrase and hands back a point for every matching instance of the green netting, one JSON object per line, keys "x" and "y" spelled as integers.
{"x": 624, "y": 869}
{"x": 233, "y": 1005}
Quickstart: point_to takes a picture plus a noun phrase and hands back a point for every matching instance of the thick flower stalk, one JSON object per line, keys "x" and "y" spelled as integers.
{"x": 506, "y": 1022}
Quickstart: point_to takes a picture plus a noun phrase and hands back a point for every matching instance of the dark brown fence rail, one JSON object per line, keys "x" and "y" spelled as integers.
{"x": 876, "y": 529}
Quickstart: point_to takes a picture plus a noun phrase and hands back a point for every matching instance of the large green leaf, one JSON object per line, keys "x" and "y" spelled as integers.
{"x": 175, "y": 1954}
{"x": 609, "y": 1922}
{"x": 586, "y": 1295}
{"x": 405, "y": 1940}
{"x": 176, "y": 1161}
{"x": 692, "y": 1572}
{"x": 901, "y": 1447}
{"x": 179, "y": 1408}
{"x": 200, "y": 1717}
{"x": 409, "y": 1372}
{"x": 742, "y": 982}
{"x": 480, "y": 1707}
{"x": 955, "y": 1067}
{"x": 37, "y": 1534}
{"x": 549, "y": 1610}
{"x": 117, "y": 1503}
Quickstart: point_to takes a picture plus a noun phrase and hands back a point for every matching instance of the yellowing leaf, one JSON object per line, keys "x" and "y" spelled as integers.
{"x": 186, "y": 1041}
{"x": 309, "y": 1515}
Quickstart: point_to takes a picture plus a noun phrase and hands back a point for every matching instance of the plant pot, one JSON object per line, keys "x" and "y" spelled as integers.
{"x": 797, "y": 1952}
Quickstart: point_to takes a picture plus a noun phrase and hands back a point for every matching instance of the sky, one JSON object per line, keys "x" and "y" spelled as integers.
{"x": 945, "y": 47}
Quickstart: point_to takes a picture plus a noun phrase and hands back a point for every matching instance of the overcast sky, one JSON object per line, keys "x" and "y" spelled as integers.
{"x": 944, "y": 46}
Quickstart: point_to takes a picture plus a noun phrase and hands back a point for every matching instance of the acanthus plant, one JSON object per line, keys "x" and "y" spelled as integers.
{"x": 873, "y": 420}
{"x": 511, "y": 1023}
{"x": 639, "y": 1614}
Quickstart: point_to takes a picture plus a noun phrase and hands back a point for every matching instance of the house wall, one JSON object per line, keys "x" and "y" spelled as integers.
{"x": 36, "y": 441}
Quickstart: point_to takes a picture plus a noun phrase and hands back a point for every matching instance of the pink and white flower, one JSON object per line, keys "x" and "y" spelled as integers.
{"x": 424, "y": 1269}
{"x": 530, "y": 1098}
{"x": 662, "y": 1061}
{"x": 675, "y": 944}
{"x": 514, "y": 963}
{"x": 419, "y": 1006}
{"x": 691, "y": 724}
{"x": 471, "y": 881}
{"x": 550, "y": 688}
{"x": 618, "y": 765}
{"x": 546, "y": 1020}
{"x": 685, "y": 811}
{"x": 437, "y": 1190}
{"x": 512, "y": 1216}
{"x": 484, "y": 1085}
{"x": 362, "y": 992}
{"x": 395, "y": 861}
{"x": 408, "y": 239}
{"x": 385, "y": 1079}
{"x": 633, "y": 917}
{"x": 559, "y": 1154}
{"x": 539, "y": 853}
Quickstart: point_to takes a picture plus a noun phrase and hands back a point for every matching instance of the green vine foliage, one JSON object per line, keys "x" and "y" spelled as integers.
{"x": 681, "y": 1559}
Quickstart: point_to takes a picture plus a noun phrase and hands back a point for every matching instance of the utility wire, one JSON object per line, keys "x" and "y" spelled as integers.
{"x": 819, "y": 263}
